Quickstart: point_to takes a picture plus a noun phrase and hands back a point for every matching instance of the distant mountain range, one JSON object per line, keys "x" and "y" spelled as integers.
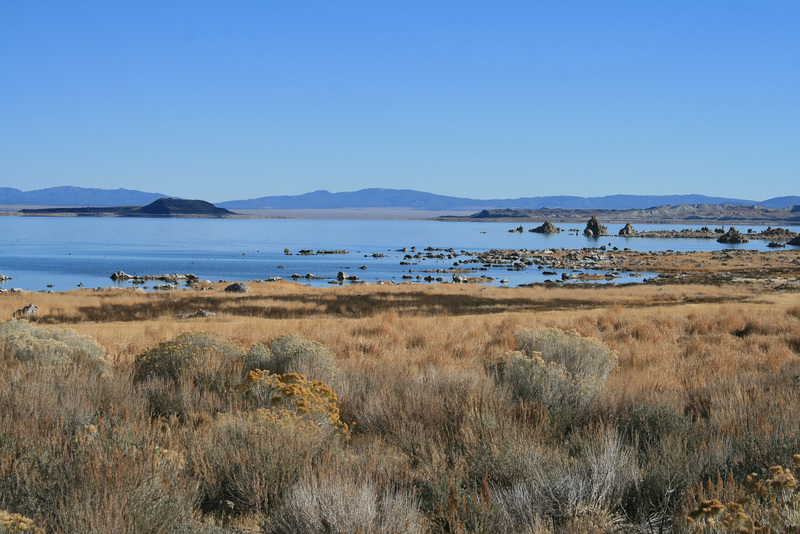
{"x": 371, "y": 198}
{"x": 76, "y": 197}
{"x": 409, "y": 199}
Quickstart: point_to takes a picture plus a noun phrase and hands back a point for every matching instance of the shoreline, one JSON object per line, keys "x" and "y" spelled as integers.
{"x": 775, "y": 269}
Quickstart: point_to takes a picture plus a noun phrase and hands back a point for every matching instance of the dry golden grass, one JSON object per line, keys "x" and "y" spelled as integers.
{"x": 705, "y": 382}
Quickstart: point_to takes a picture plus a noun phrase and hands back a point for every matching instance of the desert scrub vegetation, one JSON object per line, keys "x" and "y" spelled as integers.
{"x": 294, "y": 393}
{"x": 563, "y": 371}
{"x": 460, "y": 428}
{"x": 251, "y": 455}
{"x": 291, "y": 353}
{"x": 253, "y": 458}
{"x": 17, "y": 524}
{"x": 346, "y": 499}
{"x": 771, "y": 505}
{"x": 201, "y": 354}
{"x": 49, "y": 346}
{"x": 78, "y": 453}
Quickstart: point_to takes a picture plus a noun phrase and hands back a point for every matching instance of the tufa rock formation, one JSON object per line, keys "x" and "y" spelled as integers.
{"x": 594, "y": 228}
{"x": 795, "y": 242}
{"x": 733, "y": 237}
{"x": 546, "y": 228}
{"x": 628, "y": 231}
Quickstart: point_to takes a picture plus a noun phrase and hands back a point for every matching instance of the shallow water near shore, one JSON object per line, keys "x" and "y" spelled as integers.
{"x": 64, "y": 252}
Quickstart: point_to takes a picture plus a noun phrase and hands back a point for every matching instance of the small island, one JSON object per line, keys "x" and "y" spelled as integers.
{"x": 163, "y": 207}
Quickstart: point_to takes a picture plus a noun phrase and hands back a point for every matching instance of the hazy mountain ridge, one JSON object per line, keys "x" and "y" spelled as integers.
{"x": 405, "y": 198}
{"x": 68, "y": 196}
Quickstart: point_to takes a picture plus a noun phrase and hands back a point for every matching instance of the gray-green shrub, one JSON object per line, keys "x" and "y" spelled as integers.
{"x": 49, "y": 346}
{"x": 555, "y": 368}
{"x": 568, "y": 490}
{"x": 253, "y": 458}
{"x": 341, "y": 503}
{"x": 291, "y": 353}
{"x": 582, "y": 357}
{"x": 200, "y": 353}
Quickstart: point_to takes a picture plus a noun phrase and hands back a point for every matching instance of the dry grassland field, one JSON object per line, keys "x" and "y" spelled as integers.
{"x": 454, "y": 408}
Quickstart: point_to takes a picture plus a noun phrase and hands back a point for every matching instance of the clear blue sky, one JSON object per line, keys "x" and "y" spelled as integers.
{"x": 235, "y": 100}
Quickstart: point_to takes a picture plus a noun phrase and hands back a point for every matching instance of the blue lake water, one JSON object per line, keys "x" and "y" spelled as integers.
{"x": 67, "y": 251}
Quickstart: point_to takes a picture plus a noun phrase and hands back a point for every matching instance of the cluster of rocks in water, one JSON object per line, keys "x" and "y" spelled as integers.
{"x": 592, "y": 259}
{"x": 731, "y": 237}
{"x": 309, "y": 252}
{"x": 122, "y": 276}
{"x": 779, "y": 237}
{"x": 593, "y": 228}
{"x": 549, "y": 261}
{"x": 545, "y": 228}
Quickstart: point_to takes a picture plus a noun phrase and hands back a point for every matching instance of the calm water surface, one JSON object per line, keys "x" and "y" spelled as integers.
{"x": 67, "y": 251}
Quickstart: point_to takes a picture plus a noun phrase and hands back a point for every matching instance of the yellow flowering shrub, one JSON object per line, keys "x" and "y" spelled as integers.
{"x": 772, "y": 505}
{"x": 294, "y": 393}
{"x": 17, "y": 524}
